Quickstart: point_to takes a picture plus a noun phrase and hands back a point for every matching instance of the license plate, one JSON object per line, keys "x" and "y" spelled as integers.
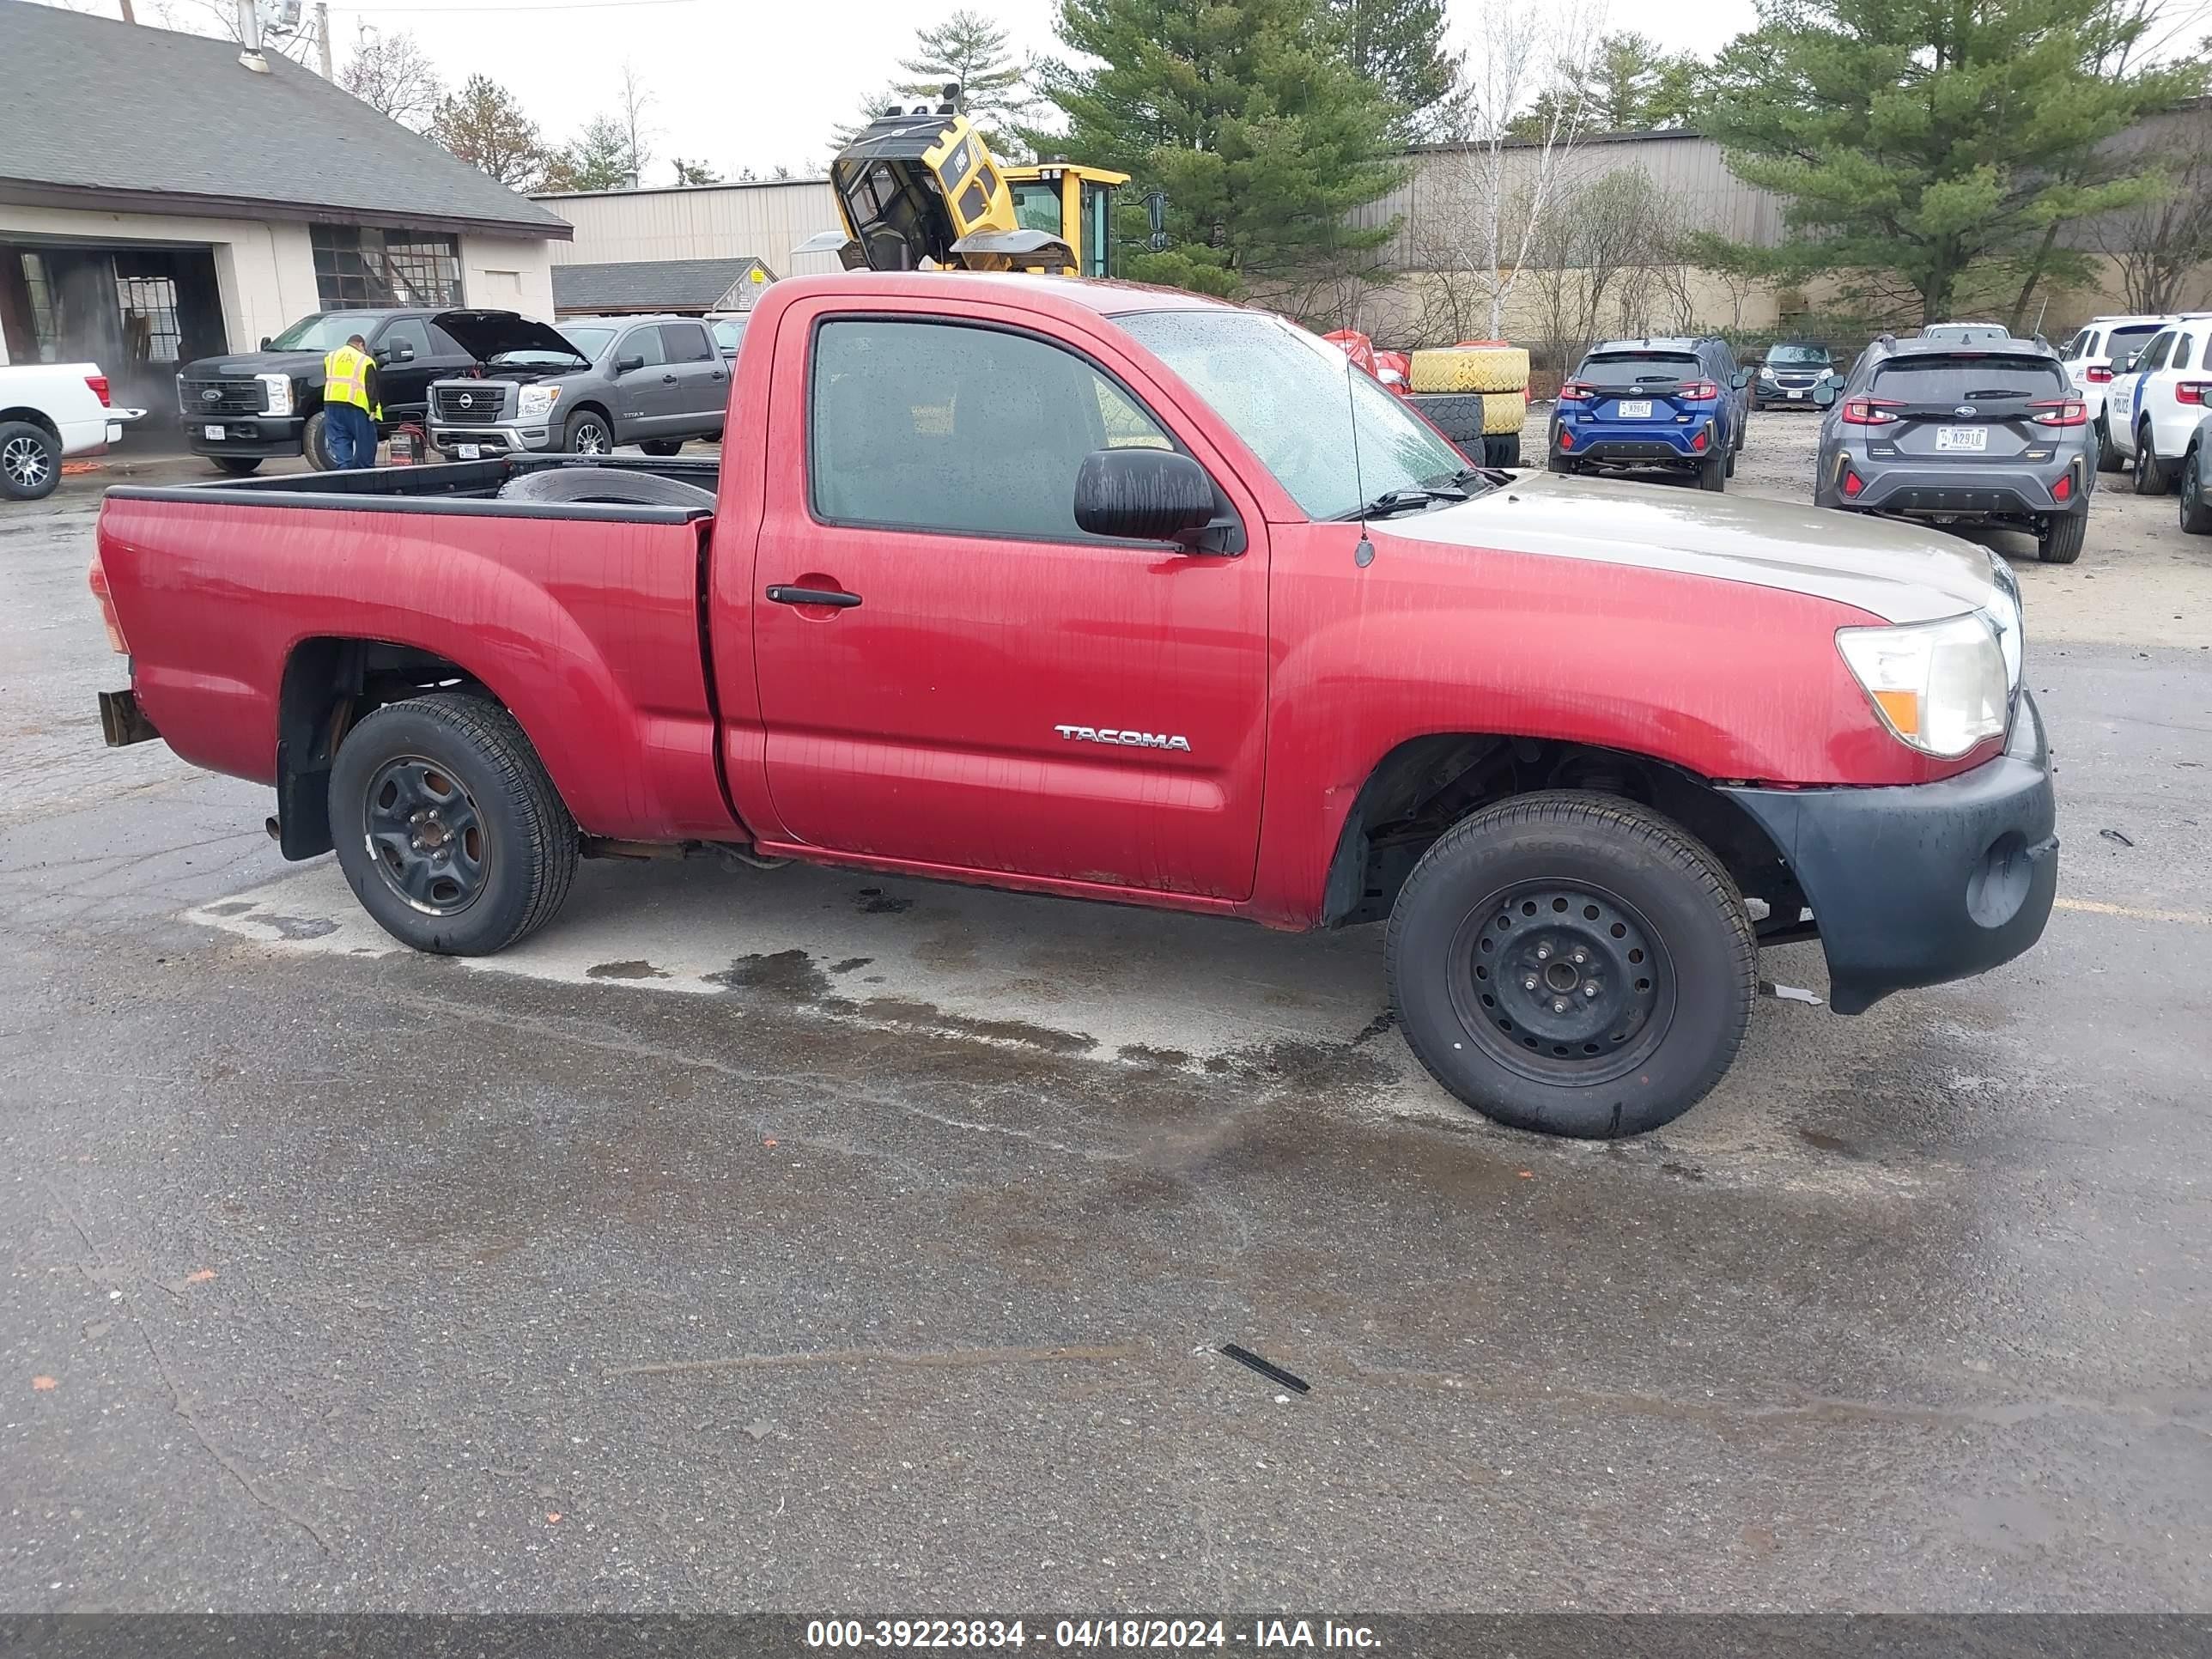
{"x": 468, "y": 452}
{"x": 1636, "y": 409}
{"x": 1962, "y": 437}
{"x": 213, "y": 432}
{"x": 1794, "y": 394}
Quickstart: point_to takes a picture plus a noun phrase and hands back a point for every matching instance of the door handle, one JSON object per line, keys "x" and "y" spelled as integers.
{"x": 668, "y": 379}
{"x": 835, "y": 597}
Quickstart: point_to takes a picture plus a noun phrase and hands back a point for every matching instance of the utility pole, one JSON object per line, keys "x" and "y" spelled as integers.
{"x": 128, "y": 16}
{"x": 322, "y": 34}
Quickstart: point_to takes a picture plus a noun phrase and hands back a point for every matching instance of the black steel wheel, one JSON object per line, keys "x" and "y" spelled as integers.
{"x": 428, "y": 837}
{"x": 30, "y": 461}
{"x": 1563, "y": 983}
{"x": 588, "y": 435}
{"x": 449, "y": 829}
{"x": 1572, "y": 964}
{"x": 2196, "y": 509}
{"x": 2151, "y": 476}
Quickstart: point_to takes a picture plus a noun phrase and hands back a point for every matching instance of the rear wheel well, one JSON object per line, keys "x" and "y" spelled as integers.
{"x": 330, "y": 684}
{"x": 1426, "y": 785}
{"x": 36, "y": 417}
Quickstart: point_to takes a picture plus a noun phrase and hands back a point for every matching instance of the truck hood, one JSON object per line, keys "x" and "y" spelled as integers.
{"x": 485, "y": 334}
{"x": 1897, "y": 572}
{"x": 241, "y": 365}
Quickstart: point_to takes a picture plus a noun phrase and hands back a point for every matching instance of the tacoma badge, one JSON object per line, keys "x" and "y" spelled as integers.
{"x": 1126, "y": 740}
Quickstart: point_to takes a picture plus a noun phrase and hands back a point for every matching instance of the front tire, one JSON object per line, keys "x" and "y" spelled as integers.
{"x": 2195, "y": 511}
{"x": 238, "y": 466}
{"x": 588, "y": 435}
{"x": 1573, "y": 965}
{"x": 2151, "y": 476}
{"x": 30, "y": 461}
{"x": 2061, "y": 540}
{"x": 2109, "y": 459}
{"x": 315, "y": 441}
{"x": 449, "y": 829}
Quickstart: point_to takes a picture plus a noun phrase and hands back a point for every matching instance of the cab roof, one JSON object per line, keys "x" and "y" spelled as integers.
{"x": 1102, "y": 298}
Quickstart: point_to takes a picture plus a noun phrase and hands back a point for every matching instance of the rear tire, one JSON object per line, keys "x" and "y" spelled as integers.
{"x": 1564, "y": 465}
{"x": 2196, "y": 514}
{"x": 1712, "y": 473}
{"x": 2109, "y": 459}
{"x": 2151, "y": 476}
{"x": 1656, "y": 1003}
{"x": 239, "y": 466}
{"x": 30, "y": 461}
{"x": 661, "y": 447}
{"x": 449, "y": 829}
{"x": 2061, "y": 540}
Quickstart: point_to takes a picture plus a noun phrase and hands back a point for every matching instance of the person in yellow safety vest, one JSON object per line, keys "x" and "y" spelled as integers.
{"x": 351, "y": 406}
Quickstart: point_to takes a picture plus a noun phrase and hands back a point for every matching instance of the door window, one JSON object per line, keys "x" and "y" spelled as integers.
{"x": 643, "y": 342}
{"x": 2155, "y": 355}
{"x": 2182, "y": 345}
{"x": 687, "y": 343}
{"x": 405, "y": 331}
{"x": 965, "y": 431}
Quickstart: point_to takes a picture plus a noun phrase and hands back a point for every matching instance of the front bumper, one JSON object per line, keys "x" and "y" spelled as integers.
{"x": 490, "y": 441}
{"x": 243, "y": 435}
{"x": 1929, "y": 882}
{"x": 1772, "y": 394}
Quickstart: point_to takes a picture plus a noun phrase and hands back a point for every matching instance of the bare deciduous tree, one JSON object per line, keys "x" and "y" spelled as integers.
{"x": 391, "y": 75}
{"x": 1496, "y": 192}
{"x": 2157, "y": 244}
{"x": 635, "y": 100}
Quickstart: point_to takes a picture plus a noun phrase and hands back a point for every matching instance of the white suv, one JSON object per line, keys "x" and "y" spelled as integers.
{"x": 2090, "y": 356}
{"x": 2150, "y": 410}
{"x": 47, "y": 411}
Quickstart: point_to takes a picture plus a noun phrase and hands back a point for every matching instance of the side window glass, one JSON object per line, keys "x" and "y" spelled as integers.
{"x": 686, "y": 343}
{"x": 2182, "y": 345}
{"x": 2155, "y": 356}
{"x": 408, "y": 331}
{"x": 643, "y": 342}
{"x": 935, "y": 427}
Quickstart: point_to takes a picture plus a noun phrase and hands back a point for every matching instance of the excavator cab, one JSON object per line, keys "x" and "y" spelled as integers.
{"x": 920, "y": 188}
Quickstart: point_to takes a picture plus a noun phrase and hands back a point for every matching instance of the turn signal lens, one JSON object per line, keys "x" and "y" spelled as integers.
{"x": 96, "y": 579}
{"x": 1939, "y": 686}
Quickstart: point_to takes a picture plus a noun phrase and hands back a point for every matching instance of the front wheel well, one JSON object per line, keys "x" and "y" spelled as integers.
{"x": 329, "y": 685}
{"x": 1424, "y": 785}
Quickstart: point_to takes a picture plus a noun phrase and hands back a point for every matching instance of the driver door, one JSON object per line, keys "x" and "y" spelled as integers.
{"x": 992, "y": 689}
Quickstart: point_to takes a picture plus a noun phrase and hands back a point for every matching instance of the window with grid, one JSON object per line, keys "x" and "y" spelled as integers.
{"x": 149, "y": 318}
{"x": 358, "y": 267}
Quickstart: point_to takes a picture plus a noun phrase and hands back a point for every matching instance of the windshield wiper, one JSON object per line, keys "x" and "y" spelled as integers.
{"x": 1413, "y": 498}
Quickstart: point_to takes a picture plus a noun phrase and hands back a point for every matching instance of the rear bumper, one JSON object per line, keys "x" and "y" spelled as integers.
{"x": 1930, "y": 882}
{"x": 1963, "y": 491}
{"x": 1607, "y": 446}
{"x": 243, "y": 435}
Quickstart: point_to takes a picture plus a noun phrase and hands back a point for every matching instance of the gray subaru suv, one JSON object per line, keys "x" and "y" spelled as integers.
{"x": 584, "y": 387}
{"x": 1951, "y": 433}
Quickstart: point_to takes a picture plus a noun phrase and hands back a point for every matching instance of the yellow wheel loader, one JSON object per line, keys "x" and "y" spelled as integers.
{"x": 920, "y": 189}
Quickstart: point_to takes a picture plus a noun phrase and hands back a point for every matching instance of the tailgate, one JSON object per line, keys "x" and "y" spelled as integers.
{"x": 1970, "y": 406}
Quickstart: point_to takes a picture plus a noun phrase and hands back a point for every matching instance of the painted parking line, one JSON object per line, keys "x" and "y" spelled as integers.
{"x": 2099, "y": 908}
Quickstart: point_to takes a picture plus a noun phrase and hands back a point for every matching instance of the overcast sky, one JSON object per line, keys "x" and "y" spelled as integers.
{"x": 740, "y": 83}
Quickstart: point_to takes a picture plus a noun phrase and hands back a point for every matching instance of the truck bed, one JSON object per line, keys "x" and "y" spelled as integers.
{"x": 462, "y": 487}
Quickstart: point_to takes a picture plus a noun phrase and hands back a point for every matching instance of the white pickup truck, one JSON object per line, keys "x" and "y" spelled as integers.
{"x": 49, "y": 411}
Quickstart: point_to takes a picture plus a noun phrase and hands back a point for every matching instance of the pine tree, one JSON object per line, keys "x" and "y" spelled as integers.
{"x": 1247, "y": 114}
{"x": 598, "y": 158}
{"x": 1628, "y": 85}
{"x": 970, "y": 52}
{"x": 1932, "y": 139}
{"x": 1400, "y": 45}
{"x": 483, "y": 125}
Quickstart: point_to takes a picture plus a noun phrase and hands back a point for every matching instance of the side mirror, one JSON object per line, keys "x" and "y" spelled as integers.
{"x": 1142, "y": 494}
{"x": 264, "y": 342}
{"x": 2127, "y": 364}
{"x": 1742, "y": 378}
{"x": 1824, "y": 392}
{"x": 623, "y": 365}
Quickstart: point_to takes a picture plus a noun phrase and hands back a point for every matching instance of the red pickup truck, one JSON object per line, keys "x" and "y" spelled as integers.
{"x": 1123, "y": 595}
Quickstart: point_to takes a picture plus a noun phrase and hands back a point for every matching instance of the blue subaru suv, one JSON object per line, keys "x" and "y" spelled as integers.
{"x": 1676, "y": 405}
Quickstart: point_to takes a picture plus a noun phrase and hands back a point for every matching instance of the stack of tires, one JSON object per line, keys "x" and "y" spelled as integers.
{"x": 1476, "y": 393}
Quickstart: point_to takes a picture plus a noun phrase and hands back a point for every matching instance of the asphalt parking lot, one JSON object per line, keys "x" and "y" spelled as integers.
{"x": 813, "y": 1241}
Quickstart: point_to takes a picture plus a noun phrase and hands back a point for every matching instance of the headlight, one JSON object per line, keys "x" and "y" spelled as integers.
{"x": 537, "y": 402}
{"x": 1765, "y": 371}
{"x": 1940, "y": 686}
{"x": 276, "y": 393}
